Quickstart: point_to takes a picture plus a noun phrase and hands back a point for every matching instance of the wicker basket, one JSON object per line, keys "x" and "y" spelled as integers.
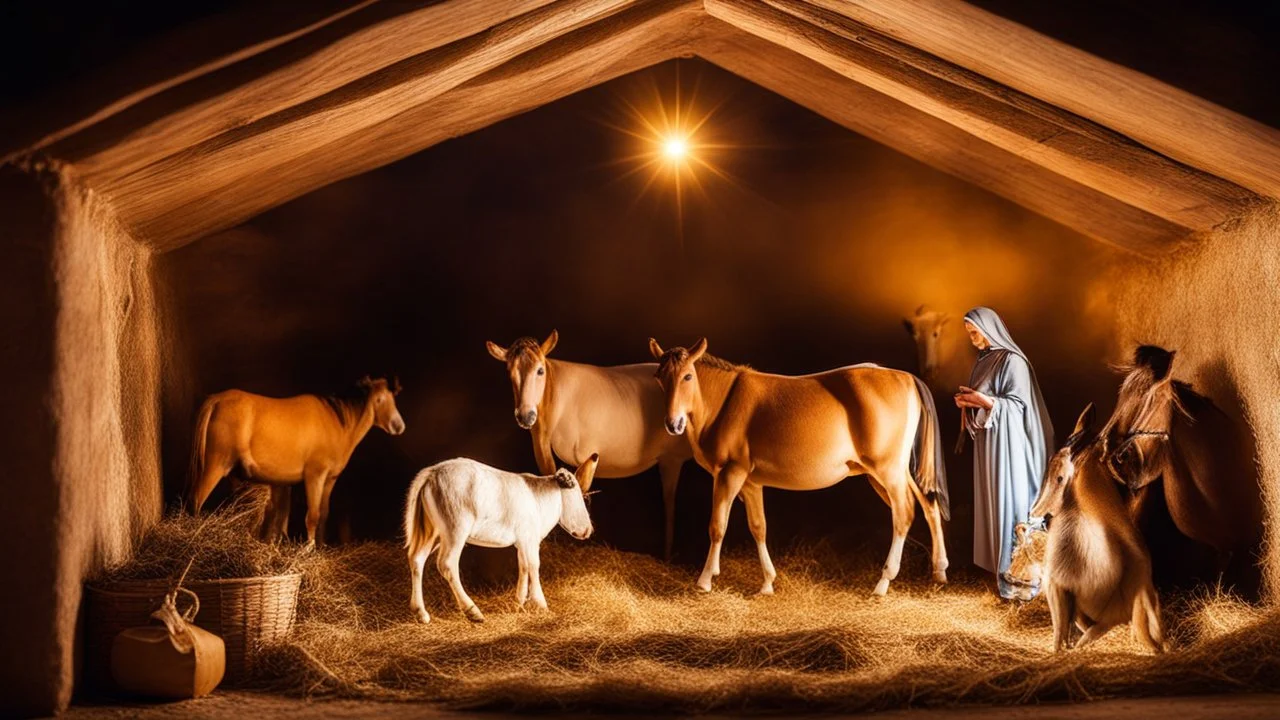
{"x": 246, "y": 612}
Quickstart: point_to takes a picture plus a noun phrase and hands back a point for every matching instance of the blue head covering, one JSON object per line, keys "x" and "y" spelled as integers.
{"x": 994, "y": 330}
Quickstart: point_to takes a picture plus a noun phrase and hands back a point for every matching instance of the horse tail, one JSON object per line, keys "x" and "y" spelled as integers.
{"x": 198, "y": 447}
{"x": 417, "y": 526}
{"x": 929, "y": 468}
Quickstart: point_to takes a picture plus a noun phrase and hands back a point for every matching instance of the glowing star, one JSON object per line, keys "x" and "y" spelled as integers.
{"x": 675, "y": 148}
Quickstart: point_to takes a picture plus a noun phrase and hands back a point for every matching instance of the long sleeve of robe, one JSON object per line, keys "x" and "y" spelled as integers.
{"x": 1008, "y": 458}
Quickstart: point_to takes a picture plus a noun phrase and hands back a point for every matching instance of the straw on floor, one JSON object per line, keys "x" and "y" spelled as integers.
{"x": 627, "y": 632}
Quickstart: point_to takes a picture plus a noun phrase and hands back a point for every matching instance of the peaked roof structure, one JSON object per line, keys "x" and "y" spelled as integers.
{"x": 286, "y": 104}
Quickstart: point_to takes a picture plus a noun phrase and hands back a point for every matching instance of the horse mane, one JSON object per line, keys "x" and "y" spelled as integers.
{"x": 348, "y": 403}
{"x": 678, "y": 356}
{"x": 521, "y": 345}
{"x": 719, "y": 363}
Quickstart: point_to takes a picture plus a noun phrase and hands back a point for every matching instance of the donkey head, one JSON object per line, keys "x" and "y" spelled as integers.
{"x": 526, "y": 361}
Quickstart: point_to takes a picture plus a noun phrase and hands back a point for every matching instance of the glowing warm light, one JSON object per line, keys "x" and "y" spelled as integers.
{"x": 675, "y": 148}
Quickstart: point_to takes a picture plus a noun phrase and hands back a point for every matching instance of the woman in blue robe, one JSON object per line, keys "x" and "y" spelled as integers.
{"x": 1005, "y": 414}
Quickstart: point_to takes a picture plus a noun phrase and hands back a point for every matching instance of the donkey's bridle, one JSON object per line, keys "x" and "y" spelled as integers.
{"x": 1129, "y": 437}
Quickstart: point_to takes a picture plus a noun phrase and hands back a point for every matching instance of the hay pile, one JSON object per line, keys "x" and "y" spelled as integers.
{"x": 626, "y": 632}
{"x": 219, "y": 544}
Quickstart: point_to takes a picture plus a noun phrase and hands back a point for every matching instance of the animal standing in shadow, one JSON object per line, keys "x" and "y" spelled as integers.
{"x": 1164, "y": 433}
{"x": 573, "y": 410}
{"x": 285, "y": 441}
{"x": 463, "y": 502}
{"x": 753, "y": 430}
{"x": 1097, "y": 568}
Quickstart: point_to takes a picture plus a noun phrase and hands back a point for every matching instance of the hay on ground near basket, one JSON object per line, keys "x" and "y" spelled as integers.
{"x": 626, "y": 632}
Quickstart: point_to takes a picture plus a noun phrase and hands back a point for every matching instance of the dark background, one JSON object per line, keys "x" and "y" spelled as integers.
{"x": 805, "y": 258}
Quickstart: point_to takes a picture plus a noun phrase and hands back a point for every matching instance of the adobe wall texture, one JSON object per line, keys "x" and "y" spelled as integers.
{"x": 1217, "y": 303}
{"x": 80, "y": 352}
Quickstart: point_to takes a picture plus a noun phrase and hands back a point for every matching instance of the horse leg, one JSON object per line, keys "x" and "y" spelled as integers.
{"x": 1062, "y": 611}
{"x": 215, "y": 468}
{"x": 753, "y": 498}
{"x": 417, "y": 561}
{"x": 903, "y": 510}
{"x": 447, "y": 563}
{"x": 669, "y": 469}
{"x": 933, "y": 515}
{"x": 728, "y": 484}
{"x": 324, "y": 507}
{"x": 1145, "y": 622}
{"x": 1094, "y": 632}
{"x": 314, "y": 485}
{"x": 276, "y": 522}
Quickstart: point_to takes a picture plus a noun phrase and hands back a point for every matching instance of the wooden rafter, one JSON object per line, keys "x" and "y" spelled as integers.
{"x": 375, "y": 82}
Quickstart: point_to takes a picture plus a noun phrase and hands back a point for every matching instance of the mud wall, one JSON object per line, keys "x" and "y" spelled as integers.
{"x": 1217, "y": 303}
{"x": 82, "y": 473}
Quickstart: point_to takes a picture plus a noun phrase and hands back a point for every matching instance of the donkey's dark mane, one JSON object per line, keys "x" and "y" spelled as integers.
{"x": 348, "y": 403}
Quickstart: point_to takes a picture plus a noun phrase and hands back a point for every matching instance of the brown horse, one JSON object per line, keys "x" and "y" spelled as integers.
{"x": 574, "y": 410}
{"x": 284, "y": 441}
{"x": 753, "y": 430}
{"x": 1164, "y": 432}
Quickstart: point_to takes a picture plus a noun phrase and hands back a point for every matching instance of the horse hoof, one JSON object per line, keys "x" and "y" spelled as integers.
{"x": 940, "y": 577}
{"x": 423, "y": 617}
{"x": 767, "y": 590}
{"x": 882, "y": 588}
{"x": 307, "y": 549}
{"x": 474, "y": 614}
{"x": 704, "y": 586}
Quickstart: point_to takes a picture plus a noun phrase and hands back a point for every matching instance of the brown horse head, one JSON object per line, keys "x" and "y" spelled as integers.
{"x": 925, "y": 328}
{"x": 526, "y": 361}
{"x": 1136, "y": 439}
{"x": 678, "y": 378}
{"x": 382, "y": 397}
{"x": 1062, "y": 467}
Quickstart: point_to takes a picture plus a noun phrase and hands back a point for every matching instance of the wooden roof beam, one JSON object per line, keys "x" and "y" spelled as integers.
{"x": 1074, "y": 147}
{"x": 934, "y": 141}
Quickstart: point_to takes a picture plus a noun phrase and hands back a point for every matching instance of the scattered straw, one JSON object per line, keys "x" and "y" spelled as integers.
{"x": 626, "y": 632}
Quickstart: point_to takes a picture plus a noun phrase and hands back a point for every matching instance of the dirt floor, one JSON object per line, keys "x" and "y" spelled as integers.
{"x": 244, "y": 705}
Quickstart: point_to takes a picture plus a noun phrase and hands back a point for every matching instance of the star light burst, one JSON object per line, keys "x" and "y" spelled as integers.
{"x": 672, "y": 142}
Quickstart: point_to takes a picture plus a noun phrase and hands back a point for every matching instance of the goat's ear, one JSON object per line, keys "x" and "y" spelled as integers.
{"x": 550, "y": 343}
{"x": 698, "y": 350}
{"x": 1084, "y": 423}
{"x": 499, "y": 353}
{"x": 911, "y": 329}
{"x": 586, "y": 472}
{"x": 655, "y": 349}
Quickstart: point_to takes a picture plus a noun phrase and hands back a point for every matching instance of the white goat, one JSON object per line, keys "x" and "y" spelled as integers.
{"x": 462, "y": 501}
